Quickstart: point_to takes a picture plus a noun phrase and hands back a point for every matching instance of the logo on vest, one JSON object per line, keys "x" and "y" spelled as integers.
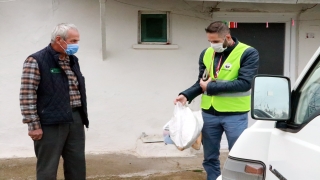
{"x": 228, "y": 66}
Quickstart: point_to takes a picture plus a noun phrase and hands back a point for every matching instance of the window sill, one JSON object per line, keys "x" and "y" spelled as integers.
{"x": 155, "y": 46}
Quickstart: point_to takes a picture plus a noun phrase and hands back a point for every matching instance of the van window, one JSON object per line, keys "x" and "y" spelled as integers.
{"x": 309, "y": 101}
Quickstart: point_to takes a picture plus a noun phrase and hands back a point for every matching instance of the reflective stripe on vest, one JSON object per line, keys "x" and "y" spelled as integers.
{"x": 233, "y": 94}
{"x": 226, "y": 102}
{"x": 238, "y": 94}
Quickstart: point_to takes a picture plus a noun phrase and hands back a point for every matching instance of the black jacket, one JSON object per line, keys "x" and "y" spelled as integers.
{"x": 249, "y": 64}
{"x": 53, "y": 99}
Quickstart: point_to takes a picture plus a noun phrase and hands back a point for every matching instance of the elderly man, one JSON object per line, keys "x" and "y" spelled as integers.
{"x": 226, "y": 70}
{"x": 53, "y": 104}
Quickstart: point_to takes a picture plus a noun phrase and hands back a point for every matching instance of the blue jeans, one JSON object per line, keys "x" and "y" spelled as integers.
{"x": 213, "y": 128}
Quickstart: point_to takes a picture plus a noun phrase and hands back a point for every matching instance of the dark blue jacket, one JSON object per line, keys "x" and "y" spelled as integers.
{"x": 53, "y": 99}
{"x": 249, "y": 64}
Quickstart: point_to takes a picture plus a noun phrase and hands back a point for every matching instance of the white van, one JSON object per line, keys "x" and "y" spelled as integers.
{"x": 285, "y": 143}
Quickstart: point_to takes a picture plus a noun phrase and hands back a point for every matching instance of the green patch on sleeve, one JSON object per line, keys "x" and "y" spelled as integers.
{"x": 55, "y": 70}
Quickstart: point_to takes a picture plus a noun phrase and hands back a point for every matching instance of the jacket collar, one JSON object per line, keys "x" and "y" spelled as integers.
{"x": 56, "y": 54}
{"x": 230, "y": 49}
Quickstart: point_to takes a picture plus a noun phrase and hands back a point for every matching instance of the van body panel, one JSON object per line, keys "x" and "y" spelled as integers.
{"x": 254, "y": 142}
{"x": 294, "y": 155}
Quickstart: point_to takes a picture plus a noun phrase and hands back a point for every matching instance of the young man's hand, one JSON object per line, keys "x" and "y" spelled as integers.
{"x": 181, "y": 98}
{"x": 204, "y": 84}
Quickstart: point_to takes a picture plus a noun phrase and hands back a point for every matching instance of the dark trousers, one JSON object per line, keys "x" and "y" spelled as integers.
{"x": 66, "y": 140}
{"x": 213, "y": 128}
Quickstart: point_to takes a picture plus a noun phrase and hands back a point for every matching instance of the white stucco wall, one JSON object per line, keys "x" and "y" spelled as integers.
{"x": 309, "y": 23}
{"x": 25, "y": 27}
{"x": 306, "y": 21}
{"x": 129, "y": 93}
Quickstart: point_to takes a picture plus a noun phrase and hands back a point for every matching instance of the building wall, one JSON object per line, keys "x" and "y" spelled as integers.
{"x": 26, "y": 28}
{"x": 309, "y": 23}
{"x": 129, "y": 93}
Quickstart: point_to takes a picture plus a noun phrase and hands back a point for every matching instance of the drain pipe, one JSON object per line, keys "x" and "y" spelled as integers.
{"x": 103, "y": 28}
{"x": 297, "y": 45}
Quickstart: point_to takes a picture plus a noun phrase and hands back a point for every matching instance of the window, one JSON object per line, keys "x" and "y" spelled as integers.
{"x": 154, "y": 28}
{"x": 309, "y": 96}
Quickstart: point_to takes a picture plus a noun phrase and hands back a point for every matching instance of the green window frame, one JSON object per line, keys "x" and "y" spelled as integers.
{"x": 154, "y": 27}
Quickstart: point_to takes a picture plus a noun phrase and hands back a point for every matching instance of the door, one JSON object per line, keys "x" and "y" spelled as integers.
{"x": 295, "y": 153}
{"x": 270, "y": 43}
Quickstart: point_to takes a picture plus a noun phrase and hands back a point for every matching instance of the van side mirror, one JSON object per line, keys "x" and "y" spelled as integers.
{"x": 271, "y": 98}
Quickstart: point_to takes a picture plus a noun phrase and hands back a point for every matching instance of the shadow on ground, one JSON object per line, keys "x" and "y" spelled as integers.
{"x": 117, "y": 167}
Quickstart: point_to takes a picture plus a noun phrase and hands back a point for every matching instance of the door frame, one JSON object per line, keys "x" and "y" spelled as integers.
{"x": 290, "y": 53}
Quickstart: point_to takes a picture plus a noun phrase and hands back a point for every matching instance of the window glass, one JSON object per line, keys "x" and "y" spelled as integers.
{"x": 154, "y": 28}
{"x": 309, "y": 100}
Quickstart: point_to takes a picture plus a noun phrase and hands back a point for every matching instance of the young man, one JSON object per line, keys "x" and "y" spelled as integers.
{"x": 53, "y": 104}
{"x": 230, "y": 67}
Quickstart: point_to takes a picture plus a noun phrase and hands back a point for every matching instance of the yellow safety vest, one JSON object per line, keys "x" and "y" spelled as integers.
{"x": 226, "y": 102}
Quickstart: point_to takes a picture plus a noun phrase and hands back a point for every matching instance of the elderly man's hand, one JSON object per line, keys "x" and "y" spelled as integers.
{"x": 36, "y": 135}
{"x": 204, "y": 84}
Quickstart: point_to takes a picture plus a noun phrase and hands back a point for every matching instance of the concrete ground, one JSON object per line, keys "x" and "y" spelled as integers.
{"x": 118, "y": 167}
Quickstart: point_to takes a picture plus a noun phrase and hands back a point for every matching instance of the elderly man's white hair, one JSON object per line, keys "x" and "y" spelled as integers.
{"x": 62, "y": 31}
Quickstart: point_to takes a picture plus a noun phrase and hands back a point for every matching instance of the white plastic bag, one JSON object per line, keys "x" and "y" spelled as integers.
{"x": 184, "y": 126}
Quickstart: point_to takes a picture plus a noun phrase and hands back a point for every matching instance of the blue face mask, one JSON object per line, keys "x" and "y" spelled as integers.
{"x": 71, "y": 48}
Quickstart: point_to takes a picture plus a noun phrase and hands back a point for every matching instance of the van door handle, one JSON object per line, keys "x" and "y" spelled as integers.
{"x": 276, "y": 173}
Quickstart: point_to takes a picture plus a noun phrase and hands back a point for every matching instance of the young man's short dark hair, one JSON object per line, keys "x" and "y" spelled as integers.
{"x": 218, "y": 27}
